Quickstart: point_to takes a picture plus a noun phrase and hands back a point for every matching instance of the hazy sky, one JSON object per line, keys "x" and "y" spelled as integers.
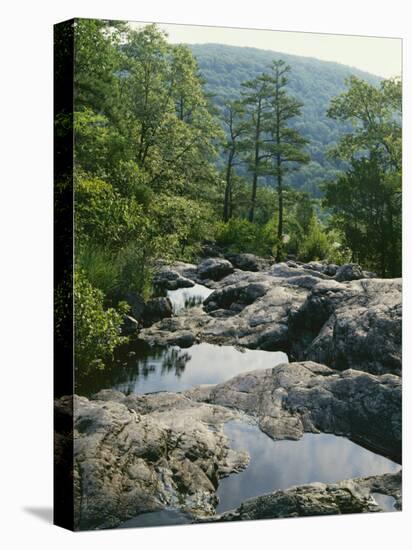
{"x": 380, "y": 56}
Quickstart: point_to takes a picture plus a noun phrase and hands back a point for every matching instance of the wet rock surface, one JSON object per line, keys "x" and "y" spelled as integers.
{"x": 144, "y": 453}
{"x": 294, "y": 398}
{"x": 346, "y": 497}
{"x": 246, "y": 308}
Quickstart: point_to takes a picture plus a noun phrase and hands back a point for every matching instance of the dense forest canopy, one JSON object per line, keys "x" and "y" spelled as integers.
{"x": 163, "y": 168}
{"x": 312, "y": 82}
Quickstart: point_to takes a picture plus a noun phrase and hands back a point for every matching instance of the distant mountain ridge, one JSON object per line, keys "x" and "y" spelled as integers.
{"x": 314, "y": 82}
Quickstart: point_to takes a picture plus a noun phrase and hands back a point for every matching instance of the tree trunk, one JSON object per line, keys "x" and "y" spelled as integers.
{"x": 392, "y": 244}
{"x": 256, "y": 164}
{"x": 228, "y": 189}
{"x": 279, "y": 250}
{"x": 253, "y": 198}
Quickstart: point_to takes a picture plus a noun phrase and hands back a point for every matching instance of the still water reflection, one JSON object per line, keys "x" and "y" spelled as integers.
{"x": 282, "y": 464}
{"x": 155, "y": 368}
{"x": 183, "y": 298}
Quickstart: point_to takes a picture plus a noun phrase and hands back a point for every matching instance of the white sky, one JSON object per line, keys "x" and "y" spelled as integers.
{"x": 379, "y": 56}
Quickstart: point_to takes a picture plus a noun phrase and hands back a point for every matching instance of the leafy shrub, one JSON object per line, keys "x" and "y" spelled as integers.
{"x": 338, "y": 252}
{"x": 267, "y": 239}
{"x": 136, "y": 264}
{"x": 130, "y": 181}
{"x": 240, "y": 235}
{"x": 99, "y": 265}
{"x": 183, "y": 223}
{"x": 97, "y": 331}
{"x": 315, "y": 245}
{"x": 237, "y": 235}
{"x": 103, "y": 216}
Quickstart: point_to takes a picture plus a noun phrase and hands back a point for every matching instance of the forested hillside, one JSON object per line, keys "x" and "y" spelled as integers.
{"x": 311, "y": 81}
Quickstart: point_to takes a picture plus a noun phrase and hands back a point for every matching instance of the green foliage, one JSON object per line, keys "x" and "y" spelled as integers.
{"x": 97, "y": 330}
{"x": 366, "y": 208}
{"x": 99, "y": 265}
{"x": 237, "y": 235}
{"x": 185, "y": 223}
{"x": 236, "y": 128}
{"x": 366, "y": 201}
{"x": 374, "y": 113}
{"x": 96, "y": 59}
{"x": 130, "y": 181}
{"x": 315, "y": 245}
{"x": 103, "y": 216}
{"x": 145, "y": 142}
{"x": 99, "y": 147}
{"x": 241, "y": 235}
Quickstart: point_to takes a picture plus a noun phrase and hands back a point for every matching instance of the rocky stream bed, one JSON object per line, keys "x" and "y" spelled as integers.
{"x": 207, "y": 406}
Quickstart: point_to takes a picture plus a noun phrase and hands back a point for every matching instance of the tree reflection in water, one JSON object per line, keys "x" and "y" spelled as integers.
{"x": 193, "y": 301}
{"x": 175, "y": 360}
{"x": 141, "y": 368}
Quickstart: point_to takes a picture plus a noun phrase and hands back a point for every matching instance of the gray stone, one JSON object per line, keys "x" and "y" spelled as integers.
{"x": 130, "y": 326}
{"x": 349, "y": 272}
{"x": 248, "y": 262}
{"x": 317, "y": 499}
{"x": 356, "y": 324}
{"x": 156, "y": 309}
{"x": 243, "y": 294}
{"x": 331, "y": 269}
{"x": 143, "y": 453}
{"x": 214, "y": 268}
{"x": 170, "y": 279}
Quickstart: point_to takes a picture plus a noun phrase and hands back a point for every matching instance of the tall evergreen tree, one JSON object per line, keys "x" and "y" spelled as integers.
{"x": 285, "y": 144}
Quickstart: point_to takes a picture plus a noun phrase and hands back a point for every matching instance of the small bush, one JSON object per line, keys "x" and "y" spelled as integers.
{"x": 240, "y": 235}
{"x": 315, "y": 245}
{"x": 100, "y": 267}
{"x": 97, "y": 331}
{"x": 236, "y": 235}
{"x": 136, "y": 264}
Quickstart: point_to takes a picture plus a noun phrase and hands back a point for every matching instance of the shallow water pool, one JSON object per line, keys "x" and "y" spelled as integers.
{"x": 281, "y": 464}
{"x": 155, "y": 368}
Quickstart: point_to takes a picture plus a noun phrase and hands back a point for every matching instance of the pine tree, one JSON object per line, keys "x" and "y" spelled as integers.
{"x": 285, "y": 144}
{"x": 256, "y": 98}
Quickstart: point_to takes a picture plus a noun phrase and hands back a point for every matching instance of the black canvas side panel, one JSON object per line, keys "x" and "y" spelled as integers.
{"x": 63, "y": 273}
